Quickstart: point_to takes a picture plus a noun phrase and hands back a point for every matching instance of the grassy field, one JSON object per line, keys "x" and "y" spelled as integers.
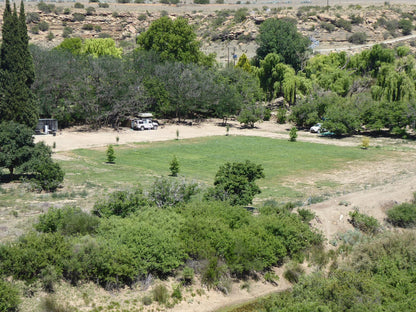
{"x": 200, "y": 158}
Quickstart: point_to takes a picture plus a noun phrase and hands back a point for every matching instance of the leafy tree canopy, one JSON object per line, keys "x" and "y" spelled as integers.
{"x": 235, "y": 182}
{"x": 174, "y": 41}
{"x": 281, "y": 36}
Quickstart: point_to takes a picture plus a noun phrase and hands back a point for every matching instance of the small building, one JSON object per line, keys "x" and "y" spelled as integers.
{"x": 46, "y": 126}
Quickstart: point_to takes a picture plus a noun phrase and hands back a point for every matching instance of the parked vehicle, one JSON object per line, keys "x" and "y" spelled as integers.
{"x": 144, "y": 122}
{"x": 46, "y": 126}
{"x": 316, "y": 128}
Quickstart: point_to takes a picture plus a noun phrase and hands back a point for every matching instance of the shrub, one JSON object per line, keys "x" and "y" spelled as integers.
{"x": 358, "y": 38}
{"x": 67, "y": 32}
{"x": 90, "y": 10}
{"x": 146, "y": 300}
{"x": 32, "y": 17}
{"x": 46, "y": 8}
{"x": 103, "y": 5}
{"x": 235, "y": 182}
{"x": 306, "y": 215}
{"x": 293, "y": 272}
{"x": 267, "y": 114}
{"x": 111, "y": 157}
{"x": 9, "y": 297}
{"x": 213, "y": 273}
{"x": 406, "y": 26}
{"x": 240, "y": 15}
{"x": 78, "y": 17}
{"x": 88, "y": 27}
{"x": 327, "y": 26}
{"x": 365, "y": 142}
{"x": 403, "y": 215}
{"x": 142, "y": 17}
{"x": 177, "y": 293}
{"x": 67, "y": 11}
{"x": 120, "y": 203}
{"x": 51, "y": 304}
{"x": 188, "y": 275}
{"x": 67, "y": 221}
{"x": 78, "y": 5}
{"x": 341, "y": 23}
{"x": 293, "y": 134}
{"x": 104, "y": 35}
{"x": 43, "y": 26}
{"x": 97, "y": 28}
{"x": 50, "y": 36}
{"x": 356, "y": 19}
{"x": 35, "y": 30}
{"x": 271, "y": 277}
{"x": 160, "y": 294}
{"x": 174, "y": 167}
{"x": 281, "y": 115}
{"x": 363, "y": 222}
{"x": 165, "y": 192}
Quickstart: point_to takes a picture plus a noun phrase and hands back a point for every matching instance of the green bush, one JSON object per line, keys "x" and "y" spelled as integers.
{"x": 240, "y": 15}
{"x": 111, "y": 157}
{"x": 328, "y": 26}
{"x": 358, "y": 38}
{"x": 166, "y": 192}
{"x": 403, "y": 215}
{"x": 78, "y": 17}
{"x": 27, "y": 258}
{"x": 406, "y": 26}
{"x": 35, "y": 30}
{"x": 281, "y": 115}
{"x": 146, "y": 300}
{"x": 9, "y": 297}
{"x": 177, "y": 293}
{"x": 68, "y": 221}
{"x": 78, "y": 5}
{"x": 364, "y": 222}
{"x": 67, "y": 32}
{"x": 90, "y": 10}
{"x": 356, "y": 19}
{"x": 67, "y": 11}
{"x": 174, "y": 167}
{"x": 43, "y": 26}
{"x": 293, "y": 272}
{"x": 45, "y": 8}
{"x": 160, "y": 294}
{"x": 188, "y": 275}
{"x": 293, "y": 134}
{"x": 235, "y": 182}
{"x": 88, "y": 27}
{"x": 142, "y": 17}
{"x": 103, "y": 5}
{"x": 121, "y": 203}
{"x": 306, "y": 215}
{"x": 342, "y": 23}
{"x": 32, "y": 17}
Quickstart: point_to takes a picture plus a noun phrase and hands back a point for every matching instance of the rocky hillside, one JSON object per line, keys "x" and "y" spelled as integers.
{"x": 223, "y": 29}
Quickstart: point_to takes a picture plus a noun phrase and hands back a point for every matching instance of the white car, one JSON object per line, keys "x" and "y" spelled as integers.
{"x": 316, "y": 128}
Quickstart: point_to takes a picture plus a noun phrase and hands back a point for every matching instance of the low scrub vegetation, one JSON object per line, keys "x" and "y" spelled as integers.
{"x": 366, "y": 282}
{"x": 403, "y": 215}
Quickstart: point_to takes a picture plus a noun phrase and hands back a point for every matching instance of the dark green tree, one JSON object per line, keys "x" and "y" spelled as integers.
{"x": 281, "y": 36}
{"x": 174, "y": 41}
{"x": 16, "y": 71}
{"x": 174, "y": 167}
{"x": 235, "y": 182}
{"x": 16, "y": 144}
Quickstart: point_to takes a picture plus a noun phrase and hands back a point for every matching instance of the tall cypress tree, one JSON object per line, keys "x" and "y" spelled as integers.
{"x": 17, "y": 101}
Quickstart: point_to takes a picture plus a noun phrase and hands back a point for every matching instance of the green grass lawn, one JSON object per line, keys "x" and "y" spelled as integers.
{"x": 200, "y": 158}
